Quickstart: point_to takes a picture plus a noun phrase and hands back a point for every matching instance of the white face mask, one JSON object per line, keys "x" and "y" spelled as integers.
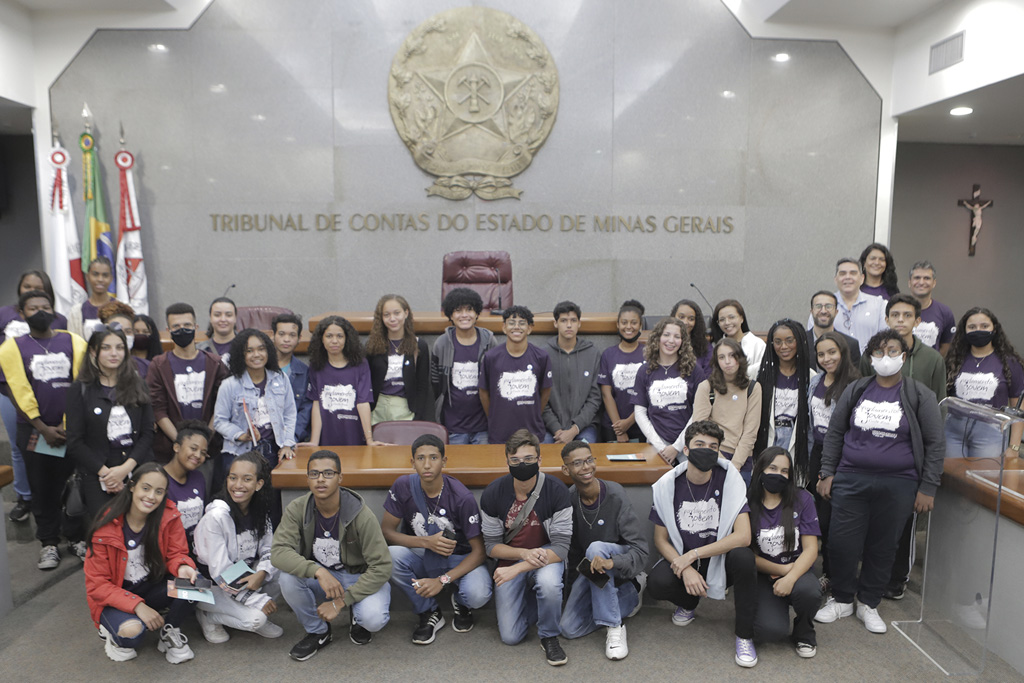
{"x": 887, "y": 366}
{"x": 129, "y": 341}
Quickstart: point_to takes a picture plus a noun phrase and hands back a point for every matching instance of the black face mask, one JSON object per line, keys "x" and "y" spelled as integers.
{"x": 40, "y": 321}
{"x": 703, "y": 458}
{"x": 183, "y": 336}
{"x": 630, "y": 340}
{"x": 774, "y": 483}
{"x": 979, "y": 338}
{"x": 524, "y": 471}
{"x": 142, "y": 342}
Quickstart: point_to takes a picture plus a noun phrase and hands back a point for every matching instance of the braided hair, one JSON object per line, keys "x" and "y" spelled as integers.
{"x": 766, "y": 378}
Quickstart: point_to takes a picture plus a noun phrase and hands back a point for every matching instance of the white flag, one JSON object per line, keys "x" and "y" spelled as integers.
{"x": 65, "y": 268}
{"x": 131, "y": 270}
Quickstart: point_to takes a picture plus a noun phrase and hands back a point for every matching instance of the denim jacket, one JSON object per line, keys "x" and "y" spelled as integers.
{"x": 229, "y": 416}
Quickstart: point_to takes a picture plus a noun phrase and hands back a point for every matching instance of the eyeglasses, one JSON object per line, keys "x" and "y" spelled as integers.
{"x": 892, "y": 353}
{"x": 779, "y": 343}
{"x": 528, "y": 459}
{"x": 516, "y": 324}
{"x": 326, "y": 474}
{"x": 576, "y": 464}
{"x": 823, "y": 307}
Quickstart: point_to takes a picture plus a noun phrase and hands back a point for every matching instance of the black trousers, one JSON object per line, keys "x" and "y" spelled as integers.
{"x": 869, "y": 512}
{"x": 740, "y": 573}
{"x": 47, "y": 475}
{"x": 904, "y": 555}
{"x": 771, "y": 619}
{"x": 822, "y": 506}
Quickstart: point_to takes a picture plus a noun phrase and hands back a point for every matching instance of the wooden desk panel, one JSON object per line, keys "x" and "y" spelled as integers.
{"x": 435, "y": 323}
{"x": 954, "y": 477}
{"x": 379, "y": 466}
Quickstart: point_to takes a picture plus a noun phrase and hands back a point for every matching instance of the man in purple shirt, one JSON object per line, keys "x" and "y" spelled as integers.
{"x": 515, "y": 380}
{"x": 937, "y": 322}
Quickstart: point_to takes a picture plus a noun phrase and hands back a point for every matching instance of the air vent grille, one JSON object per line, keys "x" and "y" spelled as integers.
{"x": 946, "y": 53}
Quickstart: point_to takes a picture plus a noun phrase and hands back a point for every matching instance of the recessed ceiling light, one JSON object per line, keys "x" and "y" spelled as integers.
{"x": 960, "y": 111}
{"x": 728, "y": 94}
{"x": 781, "y": 57}
{"x": 158, "y": 47}
{"x": 218, "y": 88}
{"x": 258, "y": 117}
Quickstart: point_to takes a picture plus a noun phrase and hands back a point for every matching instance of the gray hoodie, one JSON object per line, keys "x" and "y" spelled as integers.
{"x": 575, "y": 396}
{"x": 441, "y": 359}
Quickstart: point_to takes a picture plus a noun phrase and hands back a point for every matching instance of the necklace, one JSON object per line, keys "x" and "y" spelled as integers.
{"x": 707, "y": 492}
{"x": 979, "y": 361}
{"x": 432, "y": 517}
{"x": 37, "y": 343}
{"x": 597, "y": 512}
{"x": 395, "y": 345}
{"x": 326, "y": 524}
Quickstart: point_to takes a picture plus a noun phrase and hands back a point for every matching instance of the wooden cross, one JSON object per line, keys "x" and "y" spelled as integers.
{"x": 975, "y": 205}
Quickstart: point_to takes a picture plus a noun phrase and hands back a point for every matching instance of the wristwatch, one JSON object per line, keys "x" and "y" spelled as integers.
{"x": 1015, "y": 447}
{"x": 444, "y": 579}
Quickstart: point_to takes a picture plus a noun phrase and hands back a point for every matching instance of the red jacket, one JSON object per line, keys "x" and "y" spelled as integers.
{"x": 105, "y": 564}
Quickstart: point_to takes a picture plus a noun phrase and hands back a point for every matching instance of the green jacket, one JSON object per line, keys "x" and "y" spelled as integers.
{"x": 363, "y": 550}
{"x": 923, "y": 363}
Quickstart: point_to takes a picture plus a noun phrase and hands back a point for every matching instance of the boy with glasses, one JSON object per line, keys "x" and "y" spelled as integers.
{"x": 527, "y": 525}
{"x": 331, "y": 553}
{"x": 608, "y": 537}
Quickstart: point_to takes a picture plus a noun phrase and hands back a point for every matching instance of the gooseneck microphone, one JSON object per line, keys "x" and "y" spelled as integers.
{"x": 230, "y": 287}
{"x": 710, "y": 307}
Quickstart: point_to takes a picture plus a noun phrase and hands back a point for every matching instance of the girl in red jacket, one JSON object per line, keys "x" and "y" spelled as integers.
{"x": 137, "y": 542}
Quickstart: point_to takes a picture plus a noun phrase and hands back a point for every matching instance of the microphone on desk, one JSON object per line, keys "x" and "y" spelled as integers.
{"x": 499, "y": 310}
{"x": 707, "y": 320}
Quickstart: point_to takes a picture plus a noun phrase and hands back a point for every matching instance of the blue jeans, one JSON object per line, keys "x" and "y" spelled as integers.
{"x": 588, "y": 434}
{"x": 303, "y": 596}
{"x": 589, "y": 607}
{"x": 533, "y": 596}
{"x": 967, "y": 438}
{"x": 473, "y": 589}
{"x": 10, "y": 418}
{"x": 475, "y": 438}
{"x": 154, "y": 594}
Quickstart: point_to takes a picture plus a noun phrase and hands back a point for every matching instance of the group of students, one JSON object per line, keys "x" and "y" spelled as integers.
{"x": 244, "y": 392}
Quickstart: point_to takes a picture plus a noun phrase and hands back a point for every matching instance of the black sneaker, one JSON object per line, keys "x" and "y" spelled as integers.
{"x": 356, "y": 633}
{"x": 310, "y": 645}
{"x": 430, "y": 624}
{"x": 462, "y": 621}
{"x": 895, "y": 592}
{"x": 21, "y": 510}
{"x": 553, "y": 651}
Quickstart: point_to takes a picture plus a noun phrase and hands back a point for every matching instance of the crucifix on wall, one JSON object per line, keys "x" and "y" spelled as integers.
{"x": 975, "y": 205}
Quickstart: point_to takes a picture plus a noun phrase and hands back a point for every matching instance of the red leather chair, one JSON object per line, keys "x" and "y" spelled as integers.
{"x": 257, "y": 317}
{"x": 404, "y": 432}
{"x": 489, "y": 273}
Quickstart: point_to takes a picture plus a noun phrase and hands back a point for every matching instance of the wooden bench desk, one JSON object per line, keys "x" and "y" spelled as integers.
{"x": 430, "y": 322}
{"x": 366, "y": 467}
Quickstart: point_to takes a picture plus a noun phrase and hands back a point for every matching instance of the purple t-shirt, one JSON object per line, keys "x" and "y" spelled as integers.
{"x": 454, "y": 509}
{"x": 394, "y": 379}
{"x": 787, "y": 396}
{"x": 618, "y": 370}
{"x": 937, "y": 325}
{"x": 704, "y": 362}
{"x": 142, "y": 365}
{"x": 771, "y": 537}
{"x": 261, "y": 414}
{"x": 514, "y": 386}
{"x": 190, "y": 498}
{"x": 326, "y": 544}
{"x": 880, "y": 290}
{"x": 820, "y": 413}
{"x": 339, "y": 391}
{"x": 667, "y": 397}
{"x": 463, "y": 413}
{"x": 90, "y": 319}
{"x": 48, "y": 367}
{"x": 223, "y": 350}
{"x": 982, "y": 381}
{"x": 135, "y": 571}
{"x": 878, "y": 440}
{"x": 698, "y": 509}
{"x": 11, "y": 324}
{"x": 189, "y": 379}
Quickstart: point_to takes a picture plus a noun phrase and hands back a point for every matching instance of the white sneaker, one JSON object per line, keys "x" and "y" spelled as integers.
{"x": 114, "y": 652}
{"x": 872, "y": 622}
{"x": 641, "y": 579}
{"x": 971, "y": 616}
{"x": 615, "y": 643}
{"x": 79, "y": 549}
{"x": 174, "y": 644}
{"x": 213, "y": 631}
{"x": 269, "y": 630}
{"x": 806, "y": 650}
{"x": 49, "y": 557}
{"x": 833, "y": 611}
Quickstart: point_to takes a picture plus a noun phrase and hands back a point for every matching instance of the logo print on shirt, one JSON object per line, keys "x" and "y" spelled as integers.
{"x": 928, "y": 332}
{"x": 514, "y": 385}
{"x": 464, "y": 375}
{"x": 786, "y": 401}
{"x": 395, "y": 363}
{"x": 119, "y": 425}
{"x": 326, "y": 552}
{"x": 699, "y": 516}
{"x": 978, "y": 386}
{"x": 668, "y": 392}
{"x": 191, "y": 510}
{"x": 821, "y": 412}
{"x": 50, "y": 366}
{"x": 624, "y": 375}
{"x": 873, "y": 415}
{"x": 338, "y": 397}
{"x": 189, "y": 387}
{"x": 772, "y": 542}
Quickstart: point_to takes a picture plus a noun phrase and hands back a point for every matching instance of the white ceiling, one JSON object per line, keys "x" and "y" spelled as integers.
{"x": 996, "y": 119}
{"x": 867, "y": 14}
{"x": 97, "y": 5}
